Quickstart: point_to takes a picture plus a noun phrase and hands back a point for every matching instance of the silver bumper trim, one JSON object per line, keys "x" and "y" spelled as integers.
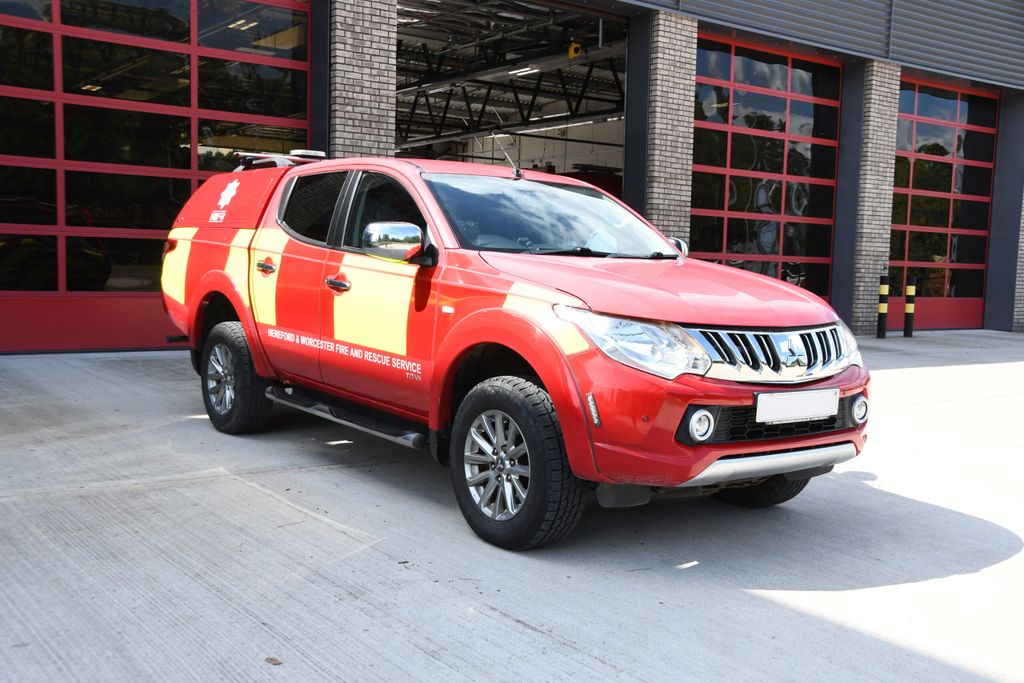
{"x": 754, "y": 466}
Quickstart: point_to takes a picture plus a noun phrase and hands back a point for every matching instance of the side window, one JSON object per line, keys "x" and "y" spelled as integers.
{"x": 311, "y": 204}
{"x": 380, "y": 198}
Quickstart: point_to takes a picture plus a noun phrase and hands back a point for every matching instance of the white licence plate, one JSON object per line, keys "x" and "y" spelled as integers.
{"x": 795, "y": 406}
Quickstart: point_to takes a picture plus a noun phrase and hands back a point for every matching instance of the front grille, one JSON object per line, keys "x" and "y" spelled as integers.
{"x": 737, "y": 424}
{"x": 775, "y": 357}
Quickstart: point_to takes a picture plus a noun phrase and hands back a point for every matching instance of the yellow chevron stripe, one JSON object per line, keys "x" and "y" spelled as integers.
{"x": 269, "y": 242}
{"x": 237, "y": 266}
{"x": 172, "y": 277}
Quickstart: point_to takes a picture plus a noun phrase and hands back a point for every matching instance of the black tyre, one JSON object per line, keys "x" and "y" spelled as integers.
{"x": 771, "y": 491}
{"x": 232, "y": 391}
{"x": 509, "y": 467}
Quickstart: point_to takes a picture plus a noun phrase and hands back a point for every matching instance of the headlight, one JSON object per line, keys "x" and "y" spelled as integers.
{"x": 661, "y": 349}
{"x": 851, "y": 343}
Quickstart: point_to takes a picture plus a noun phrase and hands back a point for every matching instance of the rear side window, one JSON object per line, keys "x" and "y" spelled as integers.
{"x": 311, "y": 205}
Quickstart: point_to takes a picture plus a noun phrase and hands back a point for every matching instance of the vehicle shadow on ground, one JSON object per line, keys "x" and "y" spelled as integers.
{"x": 842, "y": 533}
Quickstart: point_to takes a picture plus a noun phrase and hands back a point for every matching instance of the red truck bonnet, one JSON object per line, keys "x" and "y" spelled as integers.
{"x": 683, "y": 291}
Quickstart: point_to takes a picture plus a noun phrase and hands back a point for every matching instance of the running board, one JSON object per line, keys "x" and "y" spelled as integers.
{"x": 351, "y": 415}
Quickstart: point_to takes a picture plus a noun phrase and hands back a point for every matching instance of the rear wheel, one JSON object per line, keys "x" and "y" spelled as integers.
{"x": 233, "y": 393}
{"x": 509, "y": 469}
{"x": 771, "y": 491}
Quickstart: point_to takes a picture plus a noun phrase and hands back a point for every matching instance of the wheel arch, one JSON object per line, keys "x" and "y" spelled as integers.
{"x": 216, "y": 299}
{"x": 471, "y": 354}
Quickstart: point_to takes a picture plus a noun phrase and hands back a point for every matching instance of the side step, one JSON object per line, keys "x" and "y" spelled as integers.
{"x": 375, "y": 422}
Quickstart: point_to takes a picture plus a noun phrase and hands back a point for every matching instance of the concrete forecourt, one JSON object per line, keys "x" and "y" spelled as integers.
{"x": 138, "y": 543}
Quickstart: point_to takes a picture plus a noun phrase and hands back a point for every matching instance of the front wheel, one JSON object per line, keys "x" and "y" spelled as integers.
{"x": 233, "y": 393}
{"x": 771, "y": 491}
{"x": 509, "y": 468}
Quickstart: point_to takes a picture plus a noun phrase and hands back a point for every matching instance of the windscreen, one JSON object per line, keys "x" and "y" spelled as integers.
{"x": 516, "y": 215}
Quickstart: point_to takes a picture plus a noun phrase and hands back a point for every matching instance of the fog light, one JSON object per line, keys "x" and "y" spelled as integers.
{"x": 860, "y": 410}
{"x": 702, "y": 425}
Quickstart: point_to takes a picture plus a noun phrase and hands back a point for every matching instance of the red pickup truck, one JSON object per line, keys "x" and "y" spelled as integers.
{"x": 537, "y": 335}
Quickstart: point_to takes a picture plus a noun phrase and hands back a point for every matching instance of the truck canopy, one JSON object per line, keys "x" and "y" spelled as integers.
{"x": 230, "y": 200}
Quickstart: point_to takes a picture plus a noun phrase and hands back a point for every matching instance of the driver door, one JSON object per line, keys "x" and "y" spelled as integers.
{"x": 379, "y": 312}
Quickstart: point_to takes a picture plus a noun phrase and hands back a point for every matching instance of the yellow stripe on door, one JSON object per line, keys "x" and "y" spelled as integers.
{"x": 172, "y": 277}
{"x": 375, "y": 312}
{"x": 270, "y": 242}
{"x": 237, "y": 267}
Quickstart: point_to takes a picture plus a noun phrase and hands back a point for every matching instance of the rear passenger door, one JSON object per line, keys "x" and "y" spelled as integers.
{"x": 382, "y": 318}
{"x": 287, "y": 278}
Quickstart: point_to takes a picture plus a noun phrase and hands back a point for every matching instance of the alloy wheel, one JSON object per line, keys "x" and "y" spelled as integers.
{"x": 497, "y": 465}
{"x": 220, "y": 379}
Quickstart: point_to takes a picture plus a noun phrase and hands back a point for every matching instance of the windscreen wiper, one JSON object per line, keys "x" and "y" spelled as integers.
{"x": 653, "y": 256}
{"x": 587, "y": 251}
{"x": 572, "y": 251}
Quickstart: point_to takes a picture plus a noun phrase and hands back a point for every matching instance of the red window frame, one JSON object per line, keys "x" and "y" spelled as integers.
{"x": 784, "y": 178}
{"x": 942, "y": 311}
{"x": 193, "y": 51}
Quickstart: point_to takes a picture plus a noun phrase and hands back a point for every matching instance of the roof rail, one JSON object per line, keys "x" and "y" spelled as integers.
{"x": 252, "y": 160}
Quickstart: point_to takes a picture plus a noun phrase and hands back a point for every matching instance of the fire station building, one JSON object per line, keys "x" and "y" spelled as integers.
{"x": 823, "y": 142}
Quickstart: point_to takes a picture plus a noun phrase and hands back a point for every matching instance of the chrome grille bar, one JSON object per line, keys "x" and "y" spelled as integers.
{"x": 774, "y": 357}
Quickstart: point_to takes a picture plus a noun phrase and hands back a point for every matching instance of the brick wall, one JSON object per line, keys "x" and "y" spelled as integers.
{"x": 362, "y": 77}
{"x": 874, "y": 205}
{"x": 1018, "y": 300}
{"x": 670, "y": 123}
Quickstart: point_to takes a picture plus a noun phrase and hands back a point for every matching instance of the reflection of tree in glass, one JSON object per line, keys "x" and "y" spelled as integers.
{"x": 169, "y": 22}
{"x": 26, "y": 57}
{"x": 252, "y": 88}
{"x": 936, "y": 148}
{"x": 763, "y": 121}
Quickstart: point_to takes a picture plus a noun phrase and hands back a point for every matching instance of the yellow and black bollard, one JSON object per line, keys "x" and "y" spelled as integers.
{"x": 883, "y": 305}
{"x": 908, "y": 307}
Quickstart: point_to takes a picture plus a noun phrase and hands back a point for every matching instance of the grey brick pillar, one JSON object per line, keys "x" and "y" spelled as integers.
{"x": 1004, "y": 285}
{"x": 670, "y": 122}
{"x": 1018, "y": 300}
{"x": 362, "y": 77}
{"x": 661, "y": 67}
{"x": 867, "y": 157}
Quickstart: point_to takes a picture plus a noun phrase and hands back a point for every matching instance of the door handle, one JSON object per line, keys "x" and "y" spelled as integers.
{"x": 266, "y": 266}
{"x": 338, "y": 285}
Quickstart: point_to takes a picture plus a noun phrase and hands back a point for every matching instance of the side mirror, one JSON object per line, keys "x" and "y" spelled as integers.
{"x": 393, "y": 240}
{"x": 681, "y": 246}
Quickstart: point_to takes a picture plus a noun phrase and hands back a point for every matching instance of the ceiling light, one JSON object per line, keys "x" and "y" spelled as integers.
{"x": 92, "y": 88}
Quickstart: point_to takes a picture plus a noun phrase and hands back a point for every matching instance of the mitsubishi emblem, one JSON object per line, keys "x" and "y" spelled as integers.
{"x": 790, "y": 356}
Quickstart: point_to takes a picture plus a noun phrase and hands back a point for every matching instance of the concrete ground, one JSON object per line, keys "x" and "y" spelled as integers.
{"x": 137, "y": 543}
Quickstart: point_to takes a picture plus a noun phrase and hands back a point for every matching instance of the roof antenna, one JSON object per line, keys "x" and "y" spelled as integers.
{"x": 494, "y": 136}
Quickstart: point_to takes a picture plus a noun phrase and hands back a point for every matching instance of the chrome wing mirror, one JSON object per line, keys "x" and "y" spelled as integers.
{"x": 681, "y": 246}
{"x": 397, "y": 241}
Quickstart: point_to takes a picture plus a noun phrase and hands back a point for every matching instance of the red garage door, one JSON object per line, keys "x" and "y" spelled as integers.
{"x": 942, "y": 196}
{"x": 764, "y": 161}
{"x": 111, "y": 114}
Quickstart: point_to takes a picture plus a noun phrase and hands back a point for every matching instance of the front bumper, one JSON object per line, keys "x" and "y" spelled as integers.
{"x": 639, "y": 414}
{"x": 755, "y": 466}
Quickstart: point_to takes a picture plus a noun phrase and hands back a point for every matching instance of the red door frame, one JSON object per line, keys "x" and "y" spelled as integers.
{"x": 941, "y": 312}
{"x": 785, "y": 177}
{"x": 65, "y": 320}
